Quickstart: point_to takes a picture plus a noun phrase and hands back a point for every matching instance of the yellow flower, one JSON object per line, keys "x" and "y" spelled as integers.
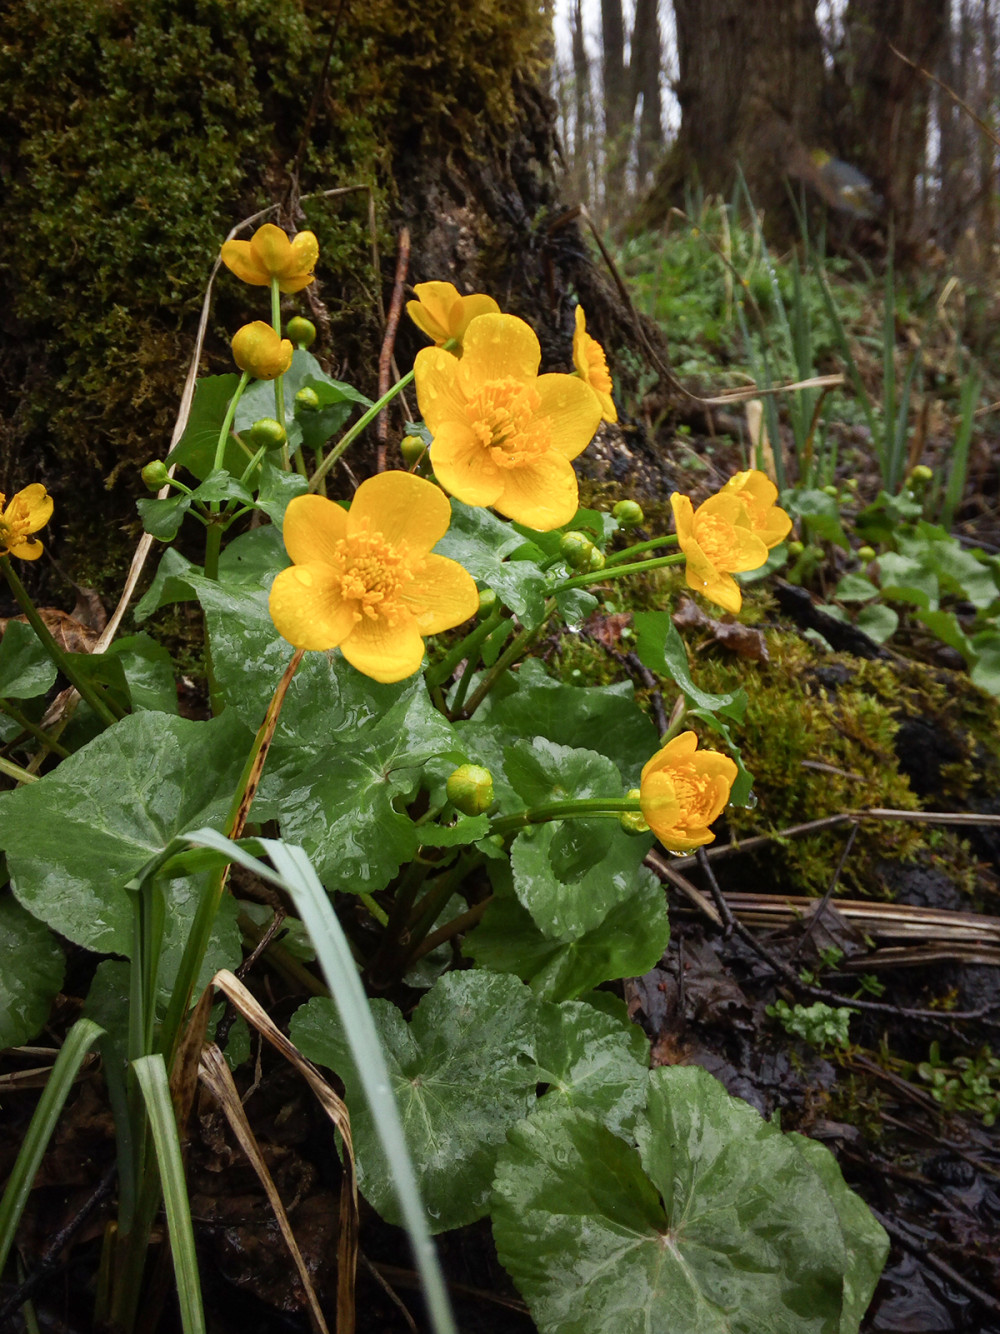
{"x": 442, "y": 314}
{"x": 366, "y": 581}
{"x": 592, "y": 366}
{"x": 683, "y": 790}
{"x": 259, "y": 350}
{"x": 28, "y": 511}
{"x": 717, "y": 546}
{"x": 504, "y": 435}
{"x": 269, "y": 254}
{"x": 757, "y": 494}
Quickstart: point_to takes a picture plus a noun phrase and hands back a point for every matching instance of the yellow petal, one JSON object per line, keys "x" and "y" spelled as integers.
{"x": 382, "y": 651}
{"x": 307, "y": 607}
{"x": 403, "y": 508}
{"x": 573, "y": 410}
{"x": 756, "y": 484}
{"x": 470, "y": 308}
{"x": 463, "y": 466}
{"x": 295, "y": 283}
{"x": 29, "y": 549}
{"x": 271, "y": 248}
{"x": 439, "y": 396}
{"x": 542, "y": 495}
{"x": 312, "y": 527}
{"x": 717, "y": 586}
{"x": 432, "y": 311}
{"x": 683, "y": 515}
{"x": 445, "y": 596}
{"x": 240, "y": 259}
{"x": 303, "y": 254}
{"x": 676, "y": 750}
{"x": 496, "y": 347}
{"x": 39, "y": 504}
{"x": 579, "y": 347}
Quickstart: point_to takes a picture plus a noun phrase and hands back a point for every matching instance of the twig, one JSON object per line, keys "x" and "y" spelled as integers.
{"x": 821, "y": 907}
{"x": 919, "y": 1249}
{"x": 389, "y": 341}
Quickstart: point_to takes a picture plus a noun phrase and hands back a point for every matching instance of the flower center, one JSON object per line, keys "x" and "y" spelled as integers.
{"x": 374, "y": 574}
{"x": 15, "y": 523}
{"x": 715, "y": 537}
{"x": 695, "y": 794}
{"x": 503, "y": 416}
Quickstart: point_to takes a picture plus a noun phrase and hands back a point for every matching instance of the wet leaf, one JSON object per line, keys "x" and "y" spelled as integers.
{"x": 32, "y": 973}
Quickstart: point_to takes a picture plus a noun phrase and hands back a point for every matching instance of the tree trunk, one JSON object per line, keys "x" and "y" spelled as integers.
{"x": 617, "y": 108}
{"x": 645, "y": 71}
{"x": 750, "y": 88}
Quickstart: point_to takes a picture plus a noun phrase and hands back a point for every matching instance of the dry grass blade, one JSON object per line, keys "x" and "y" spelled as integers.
{"x": 347, "y": 1246}
{"x": 214, "y": 1073}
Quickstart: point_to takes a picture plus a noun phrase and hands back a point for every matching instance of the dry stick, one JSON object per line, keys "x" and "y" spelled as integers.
{"x": 55, "y": 1248}
{"x": 919, "y": 1249}
{"x": 789, "y": 975}
{"x": 821, "y": 907}
{"x": 389, "y": 342}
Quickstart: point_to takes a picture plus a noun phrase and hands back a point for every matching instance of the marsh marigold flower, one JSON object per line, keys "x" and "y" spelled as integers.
{"x": 28, "y": 511}
{"x": 729, "y": 533}
{"x": 592, "y": 366}
{"x": 366, "y": 581}
{"x": 683, "y": 790}
{"x": 269, "y": 254}
{"x": 442, "y": 314}
{"x": 259, "y": 350}
{"x": 502, "y": 434}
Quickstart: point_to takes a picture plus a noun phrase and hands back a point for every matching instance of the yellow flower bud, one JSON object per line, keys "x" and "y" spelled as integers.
{"x": 470, "y": 789}
{"x": 259, "y": 350}
{"x": 865, "y": 553}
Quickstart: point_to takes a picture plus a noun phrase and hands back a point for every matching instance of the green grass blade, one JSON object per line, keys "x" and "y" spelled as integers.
{"x": 294, "y": 873}
{"x": 971, "y": 386}
{"x": 151, "y": 1073}
{"x": 79, "y": 1040}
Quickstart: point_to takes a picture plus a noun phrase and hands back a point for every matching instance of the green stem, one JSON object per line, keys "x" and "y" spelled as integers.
{"x": 515, "y": 648}
{"x": 15, "y": 771}
{"x": 279, "y": 384}
{"x": 450, "y": 929}
{"x": 669, "y": 541}
{"x": 585, "y": 808}
{"x": 429, "y": 908}
{"x": 619, "y": 571}
{"x": 350, "y": 436}
{"x": 220, "y": 448}
{"x": 101, "y": 706}
{"x": 49, "y": 742}
{"x": 442, "y": 670}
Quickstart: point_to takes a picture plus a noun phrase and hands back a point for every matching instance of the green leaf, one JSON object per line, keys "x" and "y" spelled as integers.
{"x": 986, "y": 670}
{"x": 149, "y": 672}
{"x": 906, "y": 580}
{"x": 880, "y": 622}
{"x": 195, "y": 450}
{"x": 462, "y": 1073}
{"x": 587, "y": 1058}
{"x": 77, "y": 836}
{"x": 575, "y": 605}
{"x": 26, "y": 670}
{"x": 169, "y": 585}
{"x": 277, "y": 488}
{"x": 866, "y": 1240}
{"x": 530, "y": 703}
{"x": 31, "y": 975}
{"x": 334, "y": 409}
{"x": 855, "y": 588}
{"x": 627, "y": 942}
{"x": 479, "y": 541}
{"x": 342, "y": 805}
{"x": 661, "y": 649}
{"x": 718, "y": 1225}
{"x": 465, "y": 830}
{"x": 162, "y": 518}
{"x": 222, "y": 486}
{"x": 821, "y": 513}
{"x": 947, "y": 627}
{"x": 305, "y": 371}
{"x": 106, "y": 671}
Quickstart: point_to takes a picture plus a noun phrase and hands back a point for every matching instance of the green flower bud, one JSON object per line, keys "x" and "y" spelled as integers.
{"x": 155, "y": 474}
{"x": 577, "y": 550}
{"x": 628, "y": 513}
{"x": 596, "y": 561}
{"x": 470, "y": 789}
{"x": 831, "y": 490}
{"x": 412, "y": 449}
{"x": 266, "y": 433}
{"x": 865, "y": 553}
{"x": 301, "y": 331}
{"x": 487, "y": 603}
{"x": 795, "y": 548}
{"x": 921, "y": 475}
{"x": 632, "y": 821}
{"x": 307, "y": 400}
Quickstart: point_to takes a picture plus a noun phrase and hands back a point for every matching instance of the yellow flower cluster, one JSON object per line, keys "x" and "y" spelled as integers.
{"x": 27, "y": 512}
{"x": 729, "y": 533}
